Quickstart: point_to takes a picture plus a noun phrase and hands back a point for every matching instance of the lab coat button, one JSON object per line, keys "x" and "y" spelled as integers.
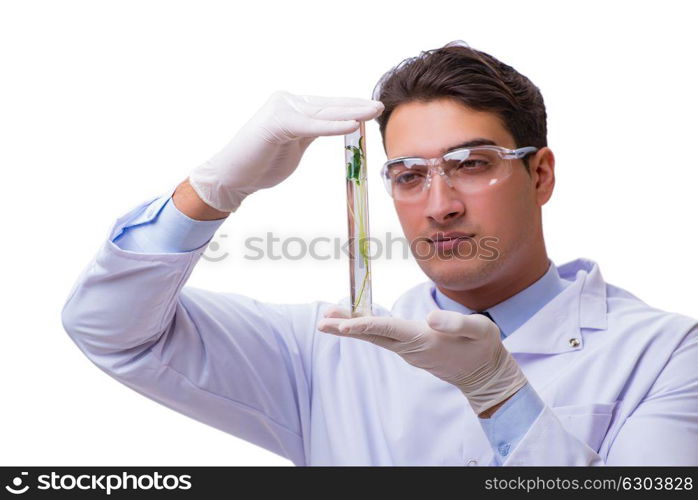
{"x": 574, "y": 342}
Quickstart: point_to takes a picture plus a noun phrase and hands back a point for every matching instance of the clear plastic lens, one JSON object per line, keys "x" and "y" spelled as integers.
{"x": 468, "y": 170}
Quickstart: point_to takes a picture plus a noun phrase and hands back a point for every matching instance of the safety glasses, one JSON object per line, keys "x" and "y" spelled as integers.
{"x": 466, "y": 169}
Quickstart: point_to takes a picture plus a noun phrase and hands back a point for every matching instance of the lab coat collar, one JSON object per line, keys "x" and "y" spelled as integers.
{"x": 554, "y": 327}
{"x": 514, "y": 311}
{"x": 581, "y": 305}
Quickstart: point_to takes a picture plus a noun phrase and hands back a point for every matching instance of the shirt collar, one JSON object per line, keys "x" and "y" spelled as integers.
{"x": 513, "y": 312}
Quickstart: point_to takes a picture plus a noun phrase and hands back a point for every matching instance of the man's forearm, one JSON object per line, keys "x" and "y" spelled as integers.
{"x": 190, "y": 204}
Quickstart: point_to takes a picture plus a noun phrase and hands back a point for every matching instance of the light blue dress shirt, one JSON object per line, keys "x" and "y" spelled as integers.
{"x": 169, "y": 231}
{"x": 172, "y": 231}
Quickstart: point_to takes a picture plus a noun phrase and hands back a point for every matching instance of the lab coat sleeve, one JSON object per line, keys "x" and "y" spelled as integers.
{"x": 227, "y": 360}
{"x": 661, "y": 431}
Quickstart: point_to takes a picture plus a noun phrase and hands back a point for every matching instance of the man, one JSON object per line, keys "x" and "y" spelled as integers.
{"x": 558, "y": 367}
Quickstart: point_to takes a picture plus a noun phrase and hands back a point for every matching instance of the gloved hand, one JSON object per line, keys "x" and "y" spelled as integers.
{"x": 269, "y": 146}
{"x": 464, "y": 350}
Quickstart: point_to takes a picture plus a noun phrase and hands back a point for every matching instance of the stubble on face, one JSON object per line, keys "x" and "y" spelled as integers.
{"x": 465, "y": 271}
{"x": 483, "y": 261}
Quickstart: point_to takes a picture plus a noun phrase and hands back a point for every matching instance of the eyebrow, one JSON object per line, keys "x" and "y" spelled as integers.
{"x": 479, "y": 141}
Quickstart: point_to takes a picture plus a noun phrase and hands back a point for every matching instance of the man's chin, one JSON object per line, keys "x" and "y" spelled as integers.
{"x": 456, "y": 272}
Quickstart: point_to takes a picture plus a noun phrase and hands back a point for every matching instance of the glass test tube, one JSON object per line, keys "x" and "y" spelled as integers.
{"x": 357, "y": 212}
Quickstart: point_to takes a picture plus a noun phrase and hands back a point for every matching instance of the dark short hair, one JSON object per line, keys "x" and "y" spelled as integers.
{"x": 473, "y": 78}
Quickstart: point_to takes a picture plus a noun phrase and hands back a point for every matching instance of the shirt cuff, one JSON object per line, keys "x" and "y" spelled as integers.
{"x": 511, "y": 421}
{"x": 162, "y": 228}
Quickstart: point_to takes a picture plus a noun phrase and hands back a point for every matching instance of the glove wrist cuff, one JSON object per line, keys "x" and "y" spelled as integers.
{"x": 493, "y": 384}
{"x": 204, "y": 181}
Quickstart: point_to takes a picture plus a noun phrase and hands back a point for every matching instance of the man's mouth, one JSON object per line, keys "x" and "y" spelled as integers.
{"x": 451, "y": 235}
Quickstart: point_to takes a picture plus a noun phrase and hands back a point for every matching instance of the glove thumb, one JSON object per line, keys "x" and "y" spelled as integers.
{"x": 446, "y": 321}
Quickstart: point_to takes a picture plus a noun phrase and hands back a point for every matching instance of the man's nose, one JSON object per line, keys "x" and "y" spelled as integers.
{"x": 443, "y": 201}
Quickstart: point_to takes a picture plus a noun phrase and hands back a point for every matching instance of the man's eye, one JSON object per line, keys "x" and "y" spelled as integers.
{"x": 473, "y": 164}
{"x": 406, "y": 178}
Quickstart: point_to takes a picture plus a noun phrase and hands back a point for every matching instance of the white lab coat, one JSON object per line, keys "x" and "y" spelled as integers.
{"x": 626, "y": 395}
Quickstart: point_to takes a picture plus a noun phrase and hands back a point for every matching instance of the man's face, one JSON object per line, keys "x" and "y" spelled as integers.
{"x": 504, "y": 217}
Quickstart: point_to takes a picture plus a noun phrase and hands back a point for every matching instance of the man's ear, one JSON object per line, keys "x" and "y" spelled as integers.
{"x": 543, "y": 174}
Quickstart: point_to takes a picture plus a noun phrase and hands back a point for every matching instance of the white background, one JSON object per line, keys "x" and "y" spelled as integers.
{"x": 106, "y": 104}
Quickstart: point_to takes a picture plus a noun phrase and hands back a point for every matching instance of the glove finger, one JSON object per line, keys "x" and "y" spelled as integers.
{"x": 337, "y": 101}
{"x": 471, "y": 326}
{"x": 303, "y": 126}
{"x": 332, "y": 325}
{"x": 399, "y": 329}
{"x": 360, "y": 113}
{"x": 337, "y": 312}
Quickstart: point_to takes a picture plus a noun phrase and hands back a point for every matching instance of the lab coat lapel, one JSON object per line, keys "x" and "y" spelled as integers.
{"x": 581, "y": 305}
